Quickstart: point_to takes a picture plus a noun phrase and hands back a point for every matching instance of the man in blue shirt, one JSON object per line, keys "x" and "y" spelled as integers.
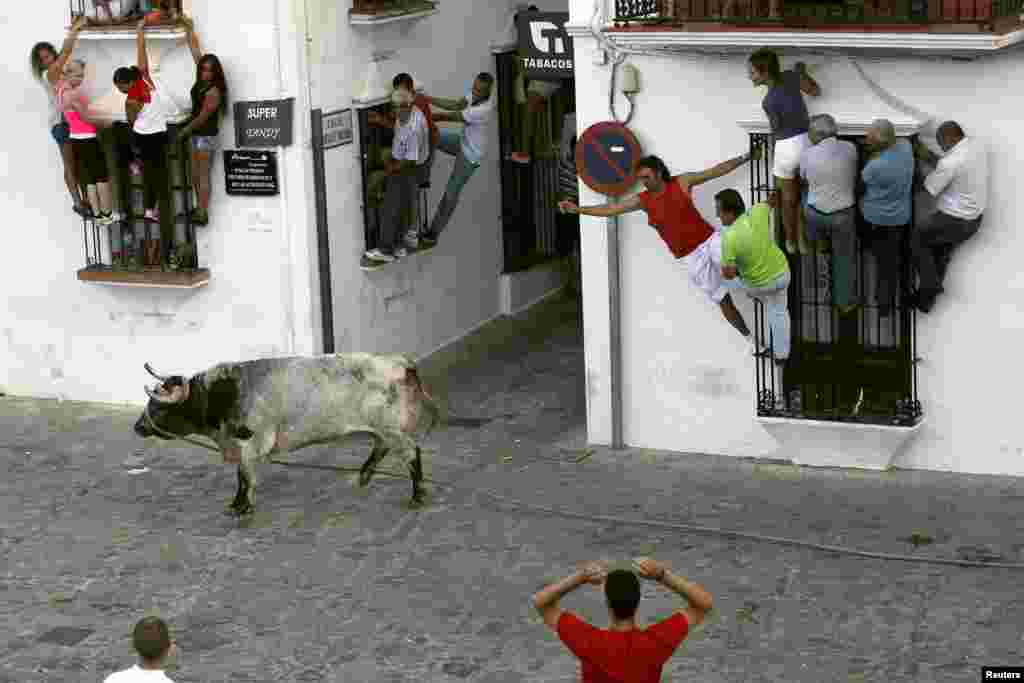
{"x": 888, "y": 181}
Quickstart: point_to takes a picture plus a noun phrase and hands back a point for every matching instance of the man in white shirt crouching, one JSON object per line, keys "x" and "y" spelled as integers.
{"x": 960, "y": 185}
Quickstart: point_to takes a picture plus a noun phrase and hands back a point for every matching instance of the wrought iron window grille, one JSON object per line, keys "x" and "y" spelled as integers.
{"x": 856, "y": 367}
{"x": 122, "y": 246}
{"x": 819, "y": 12}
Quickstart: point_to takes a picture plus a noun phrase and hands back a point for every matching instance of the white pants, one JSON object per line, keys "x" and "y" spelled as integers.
{"x": 705, "y": 268}
{"x": 787, "y": 155}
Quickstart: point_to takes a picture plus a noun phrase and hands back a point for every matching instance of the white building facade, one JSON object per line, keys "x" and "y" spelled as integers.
{"x": 687, "y": 379}
{"x": 268, "y": 266}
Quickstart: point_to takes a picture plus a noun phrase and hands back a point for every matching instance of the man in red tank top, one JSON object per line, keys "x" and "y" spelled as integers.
{"x": 668, "y": 202}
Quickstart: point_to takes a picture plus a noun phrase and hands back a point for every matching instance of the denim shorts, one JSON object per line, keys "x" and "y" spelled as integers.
{"x": 61, "y": 133}
{"x": 203, "y": 143}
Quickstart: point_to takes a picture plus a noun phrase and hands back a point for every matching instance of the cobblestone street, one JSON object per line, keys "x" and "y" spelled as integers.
{"x": 330, "y": 582}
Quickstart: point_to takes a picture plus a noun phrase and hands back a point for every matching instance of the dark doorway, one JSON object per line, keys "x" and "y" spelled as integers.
{"x": 529, "y": 191}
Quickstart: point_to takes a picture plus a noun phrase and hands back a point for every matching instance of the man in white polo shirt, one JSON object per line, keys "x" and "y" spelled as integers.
{"x": 960, "y": 185}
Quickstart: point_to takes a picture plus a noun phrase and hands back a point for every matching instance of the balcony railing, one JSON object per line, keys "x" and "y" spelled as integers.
{"x": 965, "y": 15}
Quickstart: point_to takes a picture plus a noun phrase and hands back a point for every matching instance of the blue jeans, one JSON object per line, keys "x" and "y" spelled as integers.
{"x": 451, "y": 143}
{"x": 775, "y": 297}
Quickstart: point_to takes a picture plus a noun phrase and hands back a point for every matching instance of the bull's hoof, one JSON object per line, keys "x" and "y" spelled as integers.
{"x": 365, "y": 475}
{"x": 239, "y": 508}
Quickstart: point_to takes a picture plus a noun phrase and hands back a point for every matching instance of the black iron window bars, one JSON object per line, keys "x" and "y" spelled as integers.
{"x": 860, "y": 366}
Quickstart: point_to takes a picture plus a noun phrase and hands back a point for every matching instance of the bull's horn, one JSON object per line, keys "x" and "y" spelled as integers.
{"x": 150, "y": 370}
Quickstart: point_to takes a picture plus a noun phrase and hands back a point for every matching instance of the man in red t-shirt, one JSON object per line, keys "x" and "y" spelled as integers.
{"x": 668, "y": 202}
{"x": 624, "y": 652}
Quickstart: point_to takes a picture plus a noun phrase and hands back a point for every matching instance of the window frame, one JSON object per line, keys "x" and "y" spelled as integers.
{"x": 868, "y": 369}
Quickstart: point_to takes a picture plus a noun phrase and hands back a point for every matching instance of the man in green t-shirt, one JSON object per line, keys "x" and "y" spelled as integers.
{"x": 752, "y": 262}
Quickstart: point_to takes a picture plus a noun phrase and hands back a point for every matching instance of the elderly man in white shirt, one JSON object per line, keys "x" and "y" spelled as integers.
{"x": 829, "y": 167}
{"x": 960, "y": 185}
{"x": 409, "y": 150}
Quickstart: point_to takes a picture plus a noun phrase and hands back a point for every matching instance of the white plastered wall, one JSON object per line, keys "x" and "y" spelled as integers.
{"x": 687, "y": 376}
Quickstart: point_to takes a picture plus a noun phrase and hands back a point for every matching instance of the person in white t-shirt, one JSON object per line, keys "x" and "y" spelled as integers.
{"x": 474, "y": 110}
{"x": 152, "y": 641}
{"x": 148, "y": 109}
{"x": 960, "y": 185}
{"x": 410, "y": 149}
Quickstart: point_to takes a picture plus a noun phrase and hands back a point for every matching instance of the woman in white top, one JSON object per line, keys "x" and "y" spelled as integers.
{"x": 47, "y": 67}
{"x": 148, "y": 109}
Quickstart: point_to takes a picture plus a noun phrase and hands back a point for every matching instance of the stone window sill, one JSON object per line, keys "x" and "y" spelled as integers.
{"x": 419, "y": 11}
{"x": 146, "y": 277}
{"x": 819, "y": 443}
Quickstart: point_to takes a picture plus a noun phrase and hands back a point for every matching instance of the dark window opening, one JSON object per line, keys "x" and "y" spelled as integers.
{"x": 132, "y": 244}
{"x": 374, "y": 150}
{"x": 529, "y": 191}
{"x": 858, "y": 367}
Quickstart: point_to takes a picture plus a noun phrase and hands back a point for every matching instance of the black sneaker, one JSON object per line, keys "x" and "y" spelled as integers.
{"x": 428, "y": 240}
{"x": 83, "y": 211}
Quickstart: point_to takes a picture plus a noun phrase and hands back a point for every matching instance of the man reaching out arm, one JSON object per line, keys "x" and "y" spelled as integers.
{"x": 670, "y": 210}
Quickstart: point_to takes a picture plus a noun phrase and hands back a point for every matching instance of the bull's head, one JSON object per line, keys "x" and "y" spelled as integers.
{"x": 168, "y": 408}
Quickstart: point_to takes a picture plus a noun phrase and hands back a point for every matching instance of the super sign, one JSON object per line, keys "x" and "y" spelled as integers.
{"x": 606, "y": 158}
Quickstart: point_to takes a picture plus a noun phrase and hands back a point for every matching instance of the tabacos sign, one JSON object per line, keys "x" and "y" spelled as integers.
{"x": 545, "y": 45}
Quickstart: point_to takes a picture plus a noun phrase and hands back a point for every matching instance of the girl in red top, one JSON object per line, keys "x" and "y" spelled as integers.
{"x": 670, "y": 210}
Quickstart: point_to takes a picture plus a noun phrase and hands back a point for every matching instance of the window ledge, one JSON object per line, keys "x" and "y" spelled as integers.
{"x": 427, "y": 9}
{"x": 363, "y": 261}
{"x": 127, "y": 32}
{"x": 746, "y": 41}
{"x": 848, "y": 124}
{"x": 166, "y": 279}
{"x": 819, "y": 443}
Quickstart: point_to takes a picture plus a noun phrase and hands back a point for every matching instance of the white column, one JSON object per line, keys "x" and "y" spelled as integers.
{"x": 298, "y": 202}
{"x": 598, "y": 251}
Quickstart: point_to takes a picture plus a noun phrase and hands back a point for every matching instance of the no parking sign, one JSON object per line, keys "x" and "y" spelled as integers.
{"x": 606, "y": 157}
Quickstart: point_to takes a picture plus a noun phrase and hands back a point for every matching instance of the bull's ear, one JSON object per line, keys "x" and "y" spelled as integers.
{"x": 222, "y": 402}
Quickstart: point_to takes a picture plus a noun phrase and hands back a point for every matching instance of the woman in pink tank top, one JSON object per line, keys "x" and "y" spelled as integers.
{"x": 89, "y": 156}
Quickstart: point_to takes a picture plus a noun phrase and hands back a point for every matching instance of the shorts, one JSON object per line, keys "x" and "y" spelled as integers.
{"x": 61, "y": 133}
{"x": 704, "y": 265}
{"x": 787, "y": 155}
{"x": 204, "y": 143}
{"x": 91, "y": 161}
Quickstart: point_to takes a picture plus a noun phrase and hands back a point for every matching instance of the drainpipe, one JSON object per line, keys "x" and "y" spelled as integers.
{"x": 284, "y": 203}
{"x": 320, "y": 190}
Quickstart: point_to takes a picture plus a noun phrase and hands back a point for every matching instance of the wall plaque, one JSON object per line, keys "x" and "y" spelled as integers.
{"x": 251, "y": 173}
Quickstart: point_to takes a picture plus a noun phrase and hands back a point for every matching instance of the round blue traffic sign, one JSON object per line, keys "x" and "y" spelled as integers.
{"x": 606, "y": 157}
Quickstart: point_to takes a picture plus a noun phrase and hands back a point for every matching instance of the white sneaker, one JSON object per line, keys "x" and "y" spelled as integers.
{"x": 401, "y": 252}
{"x": 378, "y": 255}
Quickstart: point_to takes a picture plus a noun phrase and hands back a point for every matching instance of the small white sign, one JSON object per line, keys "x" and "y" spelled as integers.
{"x": 337, "y": 128}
